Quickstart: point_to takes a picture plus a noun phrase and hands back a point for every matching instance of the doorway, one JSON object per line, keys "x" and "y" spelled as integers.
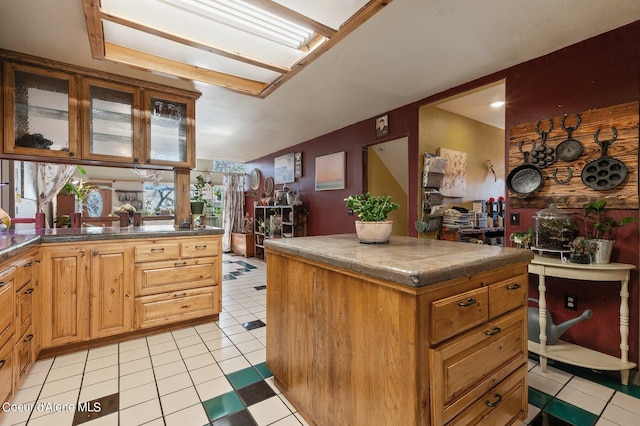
{"x": 387, "y": 173}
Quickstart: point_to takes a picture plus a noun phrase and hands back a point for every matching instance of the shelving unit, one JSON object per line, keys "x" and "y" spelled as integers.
{"x": 131, "y": 197}
{"x": 279, "y": 222}
{"x": 491, "y": 236}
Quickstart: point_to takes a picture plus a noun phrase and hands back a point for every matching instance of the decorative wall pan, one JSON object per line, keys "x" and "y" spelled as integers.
{"x": 525, "y": 179}
{"x": 569, "y": 149}
{"x": 604, "y": 172}
{"x": 574, "y": 192}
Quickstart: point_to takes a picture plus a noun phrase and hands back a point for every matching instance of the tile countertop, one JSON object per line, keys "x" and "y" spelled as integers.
{"x": 410, "y": 261}
{"x": 13, "y": 243}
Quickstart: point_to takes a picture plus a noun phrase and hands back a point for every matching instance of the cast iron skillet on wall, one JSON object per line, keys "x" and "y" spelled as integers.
{"x": 525, "y": 179}
{"x": 604, "y": 172}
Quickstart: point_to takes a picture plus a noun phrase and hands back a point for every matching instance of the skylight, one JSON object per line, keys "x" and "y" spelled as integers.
{"x": 249, "y": 46}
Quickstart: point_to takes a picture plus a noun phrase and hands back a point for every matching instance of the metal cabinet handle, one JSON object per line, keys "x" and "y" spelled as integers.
{"x": 3, "y": 283}
{"x": 71, "y": 153}
{"x": 498, "y": 398}
{"x": 175, "y": 296}
{"x": 28, "y": 338}
{"x": 470, "y": 301}
{"x": 27, "y": 265}
{"x": 202, "y": 247}
{"x": 2, "y": 363}
{"x": 513, "y": 286}
{"x": 157, "y": 249}
{"x": 29, "y": 291}
{"x": 180, "y": 263}
{"x": 494, "y": 330}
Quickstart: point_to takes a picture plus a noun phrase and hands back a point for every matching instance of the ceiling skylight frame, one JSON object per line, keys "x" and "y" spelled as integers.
{"x": 321, "y": 39}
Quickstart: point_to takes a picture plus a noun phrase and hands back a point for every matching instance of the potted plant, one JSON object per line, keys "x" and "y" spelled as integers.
{"x": 522, "y": 239}
{"x": 197, "y": 201}
{"x": 600, "y": 227}
{"x": 372, "y": 210}
{"x": 582, "y": 250}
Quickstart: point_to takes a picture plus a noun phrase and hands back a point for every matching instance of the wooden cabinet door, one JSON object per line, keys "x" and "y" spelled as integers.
{"x": 65, "y": 295}
{"x": 41, "y": 117}
{"x": 111, "y": 290}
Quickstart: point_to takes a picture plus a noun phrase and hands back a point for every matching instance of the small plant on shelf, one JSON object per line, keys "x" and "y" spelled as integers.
{"x": 598, "y": 223}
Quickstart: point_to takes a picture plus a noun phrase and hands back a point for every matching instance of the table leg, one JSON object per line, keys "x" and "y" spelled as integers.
{"x": 542, "y": 314}
{"x": 624, "y": 328}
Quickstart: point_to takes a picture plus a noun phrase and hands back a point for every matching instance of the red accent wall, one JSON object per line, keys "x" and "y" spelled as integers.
{"x": 595, "y": 73}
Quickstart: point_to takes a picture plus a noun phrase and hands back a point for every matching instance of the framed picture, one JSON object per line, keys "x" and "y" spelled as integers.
{"x": 283, "y": 168}
{"x": 330, "y": 171}
{"x": 297, "y": 164}
{"x": 382, "y": 126}
{"x": 454, "y": 183}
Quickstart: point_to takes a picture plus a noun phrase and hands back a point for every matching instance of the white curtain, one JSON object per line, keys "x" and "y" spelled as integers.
{"x": 233, "y": 210}
{"x": 51, "y": 179}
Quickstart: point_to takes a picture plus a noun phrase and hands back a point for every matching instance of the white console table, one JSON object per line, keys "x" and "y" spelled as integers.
{"x": 568, "y": 352}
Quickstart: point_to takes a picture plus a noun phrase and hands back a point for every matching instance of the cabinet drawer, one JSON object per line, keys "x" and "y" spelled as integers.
{"x": 7, "y": 304}
{"x": 157, "y": 251}
{"x": 502, "y": 405}
{"x": 200, "y": 248}
{"x": 507, "y": 295}
{"x": 23, "y": 352}
{"x": 6, "y": 371}
{"x": 171, "y": 307}
{"x": 161, "y": 277}
{"x": 467, "y": 367}
{"x": 24, "y": 297}
{"x": 24, "y": 272}
{"x": 458, "y": 313}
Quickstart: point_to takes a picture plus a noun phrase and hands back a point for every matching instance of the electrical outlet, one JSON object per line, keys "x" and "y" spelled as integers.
{"x": 349, "y": 212}
{"x": 571, "y": 302}
{"x": 514, "y": 218}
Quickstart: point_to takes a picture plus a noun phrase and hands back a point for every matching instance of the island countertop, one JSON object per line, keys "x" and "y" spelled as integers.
{"x": 13, "y": 243}
{"x": 405, "y": 260}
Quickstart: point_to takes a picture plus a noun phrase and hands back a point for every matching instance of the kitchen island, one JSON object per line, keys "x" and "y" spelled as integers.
{"x": 414, "y": 332}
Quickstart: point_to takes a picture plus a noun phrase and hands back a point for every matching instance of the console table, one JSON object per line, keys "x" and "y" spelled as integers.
{"x": 571, "y": 353}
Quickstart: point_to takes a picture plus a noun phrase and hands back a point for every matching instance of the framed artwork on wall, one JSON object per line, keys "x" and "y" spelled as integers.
{"x": 330, "y": 171}
{"x": 454, "y": 183}
{"x": 297, "y": 164}
{"x": 382, "y": 126}
{"x": 283, "y": 168}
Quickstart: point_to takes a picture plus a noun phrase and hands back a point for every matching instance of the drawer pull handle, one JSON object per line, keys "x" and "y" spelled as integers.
{"x": 180, "y": 295}
{"x": 157, "y": 249}
{"x": 494, "y": 330}
{"x": 202, "y": 247}
{"x": 514, "y": 286}
{"x": 2, "y": 363}
{"x": 180, "y": 263}
{"x": 26, "y": 265}
{"x": 28, "y": 338}
{"x": 29, "y": 291}
{"x": 470, "y": 301}
{"x": 498, "y": 398}
{"x": 3, "y": 283}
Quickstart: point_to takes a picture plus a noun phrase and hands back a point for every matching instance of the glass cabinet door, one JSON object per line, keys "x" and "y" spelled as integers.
{"x": 170, "y": 130}
{"x": 41, "y": 112}
{"x": 110, "y": 125}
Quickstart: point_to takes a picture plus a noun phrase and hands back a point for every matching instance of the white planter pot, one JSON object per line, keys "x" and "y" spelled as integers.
{"x": 374, "y": 232}
{"x": 603, "y": 254}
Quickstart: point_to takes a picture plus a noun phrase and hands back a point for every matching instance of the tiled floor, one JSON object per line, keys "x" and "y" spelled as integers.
{"x": 215, "y": 374}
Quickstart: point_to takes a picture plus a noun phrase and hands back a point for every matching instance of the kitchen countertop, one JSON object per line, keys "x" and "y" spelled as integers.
{"x": 13, "y": 243}
{"x": 410, "y": 261}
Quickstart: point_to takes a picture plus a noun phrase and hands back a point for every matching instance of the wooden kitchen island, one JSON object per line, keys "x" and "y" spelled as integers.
{"x": 414, "y": 332}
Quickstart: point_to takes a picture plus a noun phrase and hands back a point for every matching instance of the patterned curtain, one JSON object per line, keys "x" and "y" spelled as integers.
{"x": 51, "y": 179}
{"x": 233, "y": 210}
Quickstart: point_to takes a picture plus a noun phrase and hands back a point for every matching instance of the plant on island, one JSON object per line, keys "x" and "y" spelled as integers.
{"x": 371, "y": 208}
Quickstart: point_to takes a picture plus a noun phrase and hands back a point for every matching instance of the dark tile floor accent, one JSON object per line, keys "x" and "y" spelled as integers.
{"x": 251, "y": 325}
{"x": 245, "y": 264}
{"x": 97, "y": 408}
{"x": 260, "y": 287}
{"x": 241, "y": 418}
{"x": 227, "y": 277}
{"x": 236, "y": 273}
{"x": 256, "y": 392}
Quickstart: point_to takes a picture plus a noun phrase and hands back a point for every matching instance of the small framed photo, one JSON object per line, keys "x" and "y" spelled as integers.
{"x": 297, "y": 164}
{"x": 382, "y": 126}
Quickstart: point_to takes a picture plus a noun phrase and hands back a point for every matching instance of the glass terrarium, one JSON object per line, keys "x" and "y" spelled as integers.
{"x": 554, "y": 229}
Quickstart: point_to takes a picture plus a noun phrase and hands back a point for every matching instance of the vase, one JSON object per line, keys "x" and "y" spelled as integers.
{"x": 580, "y": 258}
{"x": 605, "y": 249}
{"x": 374, "y": 232}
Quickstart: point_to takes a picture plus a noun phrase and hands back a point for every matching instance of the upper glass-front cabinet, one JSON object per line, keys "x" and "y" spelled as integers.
{"x": 110, "y": 122}
{"x": 40, "y": 112}
{"x": 170, "y": 138}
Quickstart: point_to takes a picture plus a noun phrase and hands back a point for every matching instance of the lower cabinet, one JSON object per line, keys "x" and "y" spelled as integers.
{"x": 111, "y": 290}
{"x": 6, "y": 371}
{"x": 65, "y": 294}
{"x": 165, "y": 308}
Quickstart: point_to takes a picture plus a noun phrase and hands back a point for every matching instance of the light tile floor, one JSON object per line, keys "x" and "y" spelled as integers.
{"x": 215, "y": 373}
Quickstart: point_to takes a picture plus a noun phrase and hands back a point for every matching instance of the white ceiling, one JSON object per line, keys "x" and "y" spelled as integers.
{"x": 408, "y": 51}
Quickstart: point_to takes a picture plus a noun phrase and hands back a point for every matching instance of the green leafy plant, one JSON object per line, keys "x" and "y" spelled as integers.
{"x": 522, "y": 238}
{"x": 198, "y": 190}
{"x": 371, "y": 208}
{"x": 597, "y": 222}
